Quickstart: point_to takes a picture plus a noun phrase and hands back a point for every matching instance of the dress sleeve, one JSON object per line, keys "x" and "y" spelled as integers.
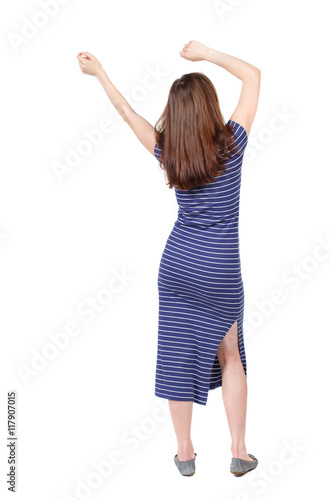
{"x": 157, "y": 151}
{"x": 240, "y": 135}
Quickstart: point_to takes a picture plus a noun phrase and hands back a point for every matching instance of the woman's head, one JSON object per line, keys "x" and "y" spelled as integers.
{"x": 191, "y": 133}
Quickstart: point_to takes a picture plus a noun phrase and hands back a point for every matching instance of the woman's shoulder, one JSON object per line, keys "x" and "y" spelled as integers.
{"x": 241, "y": 136}
{"x": 238, "y": 128}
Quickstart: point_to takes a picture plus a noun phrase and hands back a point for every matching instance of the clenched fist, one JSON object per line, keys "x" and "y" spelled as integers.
{"x": 89, "y": 64}
{"x": 194, "y": 51}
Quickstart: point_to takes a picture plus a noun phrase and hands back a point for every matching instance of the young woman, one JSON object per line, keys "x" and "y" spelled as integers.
{"x": 201, "y": 293}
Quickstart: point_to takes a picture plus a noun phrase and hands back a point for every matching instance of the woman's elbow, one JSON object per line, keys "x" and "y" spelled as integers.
{"x": 254, "y": 74}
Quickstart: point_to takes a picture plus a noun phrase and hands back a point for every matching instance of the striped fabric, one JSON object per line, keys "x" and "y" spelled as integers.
{"x": 200, "y": 285}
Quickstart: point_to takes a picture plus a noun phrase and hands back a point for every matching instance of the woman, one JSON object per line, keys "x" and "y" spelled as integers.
{"x": 201, "y": 294}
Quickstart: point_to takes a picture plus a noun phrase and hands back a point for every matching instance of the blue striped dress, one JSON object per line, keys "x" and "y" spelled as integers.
{"x": 200, "y": 285}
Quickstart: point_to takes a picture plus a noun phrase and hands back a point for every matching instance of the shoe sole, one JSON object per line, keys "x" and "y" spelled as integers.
{"x": 241, "y": 473}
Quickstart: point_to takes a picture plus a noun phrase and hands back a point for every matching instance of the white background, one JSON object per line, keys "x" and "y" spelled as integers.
{"x": 62, "y": 240}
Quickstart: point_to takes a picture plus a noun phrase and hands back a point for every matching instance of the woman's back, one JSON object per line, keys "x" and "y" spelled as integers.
{"x": 200, "y": 285}
{"x": 218, "y": 201}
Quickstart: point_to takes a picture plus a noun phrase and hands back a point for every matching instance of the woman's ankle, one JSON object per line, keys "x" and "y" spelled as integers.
{"x": 238, "y": 451}
{"x": 186, "y": 451}
{"x": 183, "y": 457}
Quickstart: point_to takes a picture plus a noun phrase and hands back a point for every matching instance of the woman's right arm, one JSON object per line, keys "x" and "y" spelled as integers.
{"x": 237, "y": 67}
{"x": 246, "y": 108}
{"x": 250, "y": 75}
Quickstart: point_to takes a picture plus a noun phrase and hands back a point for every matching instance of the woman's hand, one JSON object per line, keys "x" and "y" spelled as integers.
{"x": 89, "y": 64}
{"x": 194, "y": 51}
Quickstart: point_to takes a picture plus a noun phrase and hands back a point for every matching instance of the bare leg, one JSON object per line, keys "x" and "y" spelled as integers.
{"x": 234, "y": 391}
{"x": 181, "y": 414}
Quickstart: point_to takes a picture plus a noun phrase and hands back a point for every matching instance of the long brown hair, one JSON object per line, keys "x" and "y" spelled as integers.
{"x": 195, "y": 141}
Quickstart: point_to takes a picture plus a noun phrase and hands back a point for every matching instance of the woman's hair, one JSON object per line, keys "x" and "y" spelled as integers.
{"x": 194, "y": 140}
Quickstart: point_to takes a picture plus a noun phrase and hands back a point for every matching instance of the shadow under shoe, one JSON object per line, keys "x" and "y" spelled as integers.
{"x": 187, "y": 467}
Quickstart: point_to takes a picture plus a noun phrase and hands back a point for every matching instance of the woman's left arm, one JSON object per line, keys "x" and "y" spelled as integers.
{"x": 141, "y": 127}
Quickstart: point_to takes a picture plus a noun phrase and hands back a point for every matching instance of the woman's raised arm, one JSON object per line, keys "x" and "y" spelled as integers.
{"x": 143, "y": 130}
{"x": 246, "y": 108}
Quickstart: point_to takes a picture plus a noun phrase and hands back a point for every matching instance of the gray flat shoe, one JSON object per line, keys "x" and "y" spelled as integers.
{"x": 187, "y": 467}
{"x": 239, "y": 466}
